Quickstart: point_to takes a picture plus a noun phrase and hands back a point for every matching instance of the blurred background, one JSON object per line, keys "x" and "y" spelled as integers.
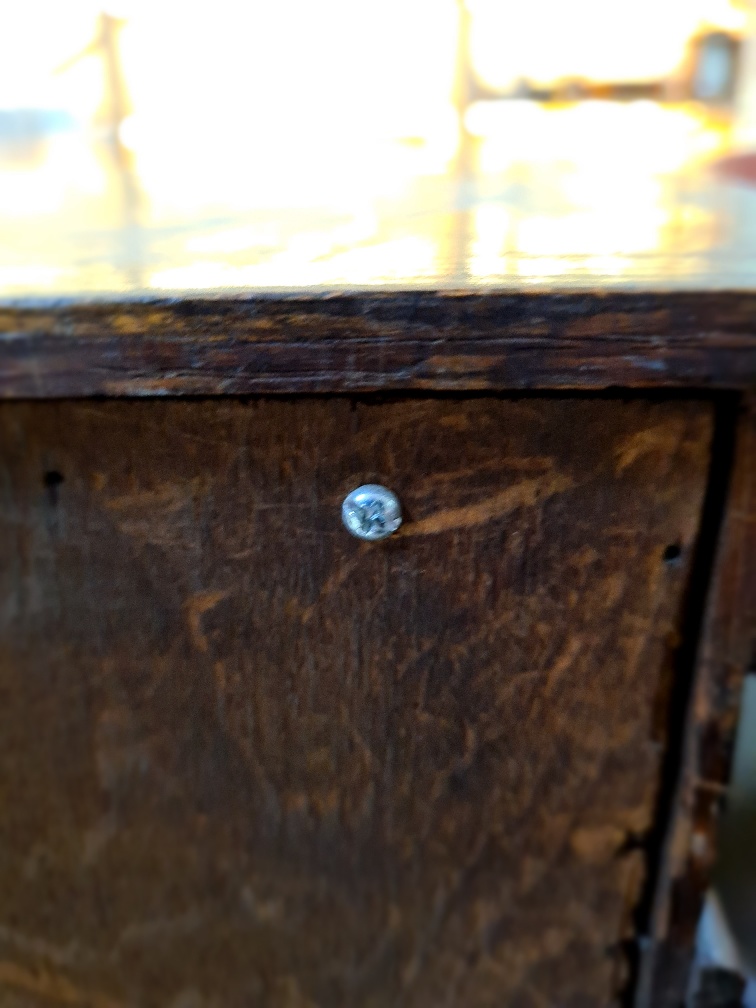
{"x": 152, "y": 145}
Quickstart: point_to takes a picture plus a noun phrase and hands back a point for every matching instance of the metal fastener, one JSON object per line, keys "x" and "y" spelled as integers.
{"x": 371, "y": 512}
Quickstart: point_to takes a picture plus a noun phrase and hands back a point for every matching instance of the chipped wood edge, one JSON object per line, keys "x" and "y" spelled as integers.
{"x": 377, "y": 341}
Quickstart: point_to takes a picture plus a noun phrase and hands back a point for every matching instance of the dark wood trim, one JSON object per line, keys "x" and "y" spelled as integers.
{"x": 725, "y": 654}
{"x": 379, "y": 341}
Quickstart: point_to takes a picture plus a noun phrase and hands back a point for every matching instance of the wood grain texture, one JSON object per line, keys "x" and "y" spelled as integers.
{"x": 727, "y": 652}
{"x": 373, "y": 342}
{"x": 246, "y": 759}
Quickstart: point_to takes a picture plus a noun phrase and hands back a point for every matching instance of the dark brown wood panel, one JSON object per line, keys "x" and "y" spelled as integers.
{"x": 378, "y": 341}
{"x": 247, "y": 760}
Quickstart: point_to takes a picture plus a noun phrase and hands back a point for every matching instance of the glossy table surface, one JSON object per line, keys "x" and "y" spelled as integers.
{"x": 587, "y": 195}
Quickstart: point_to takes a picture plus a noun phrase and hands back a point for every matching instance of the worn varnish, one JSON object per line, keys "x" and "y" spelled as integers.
{"x": 248, "y": 760}
{"x": 379, "y": 341}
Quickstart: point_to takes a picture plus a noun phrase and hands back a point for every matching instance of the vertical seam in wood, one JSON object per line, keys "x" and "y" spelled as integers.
{"x": 709, "y": 675}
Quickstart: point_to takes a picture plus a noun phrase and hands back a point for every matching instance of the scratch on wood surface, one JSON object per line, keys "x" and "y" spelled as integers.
{"x": 28, "y": 945}
{"x": 52, "y": 987}
{"x": 288, "y": 994}
{"x": 147, "y": 932}
{"x": 169, "y": 497}
{"x": 341, "y": 574}
{"x": 196, "y": 607}
{"x": 461, "y": 363}
{"x": 563, "y": 662}
{"x": 536, "y": 465}
{"x": 524, "y": 494}
{"x": 598, "y": 843}
{"x": 661, "y": 438}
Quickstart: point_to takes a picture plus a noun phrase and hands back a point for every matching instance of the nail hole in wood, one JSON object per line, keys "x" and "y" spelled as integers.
{"x": 672, "y": 553}
{"x": 51, "y": 480}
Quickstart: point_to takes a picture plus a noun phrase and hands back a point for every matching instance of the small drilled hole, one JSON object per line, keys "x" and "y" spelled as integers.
{"x": 672, "y": 553}
{"x": 52, "y": 479}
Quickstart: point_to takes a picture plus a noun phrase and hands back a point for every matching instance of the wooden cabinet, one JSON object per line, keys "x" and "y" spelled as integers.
{"x": 249, "y": 760}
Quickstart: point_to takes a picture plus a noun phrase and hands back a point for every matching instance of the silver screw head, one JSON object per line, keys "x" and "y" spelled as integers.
{"x": 371, "y": 512}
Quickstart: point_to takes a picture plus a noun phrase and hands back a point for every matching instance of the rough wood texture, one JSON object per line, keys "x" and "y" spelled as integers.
{"x": 373, "y": 342}
{"x": 727, "y": 651}
{"x": 248, "y": 760}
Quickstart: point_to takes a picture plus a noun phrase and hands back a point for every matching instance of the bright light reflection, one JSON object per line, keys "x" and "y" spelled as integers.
{"x": 596, "y": 40}
{"x": 593, "y": 180}
{"x": 303, "y": 143}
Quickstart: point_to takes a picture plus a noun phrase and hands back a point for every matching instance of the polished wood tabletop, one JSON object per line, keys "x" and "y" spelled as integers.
{"x": 151, "y": 150}
{"x": 584, "y": 195}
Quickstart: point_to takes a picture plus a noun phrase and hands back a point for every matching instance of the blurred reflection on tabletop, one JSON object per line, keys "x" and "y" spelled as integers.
{"x": 163, "y": 146}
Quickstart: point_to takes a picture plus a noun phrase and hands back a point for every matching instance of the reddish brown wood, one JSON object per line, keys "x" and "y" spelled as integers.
{"x": 379, "y": 341}
{"x": 727, "y": 650}
{"x": 248, "y": 760}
